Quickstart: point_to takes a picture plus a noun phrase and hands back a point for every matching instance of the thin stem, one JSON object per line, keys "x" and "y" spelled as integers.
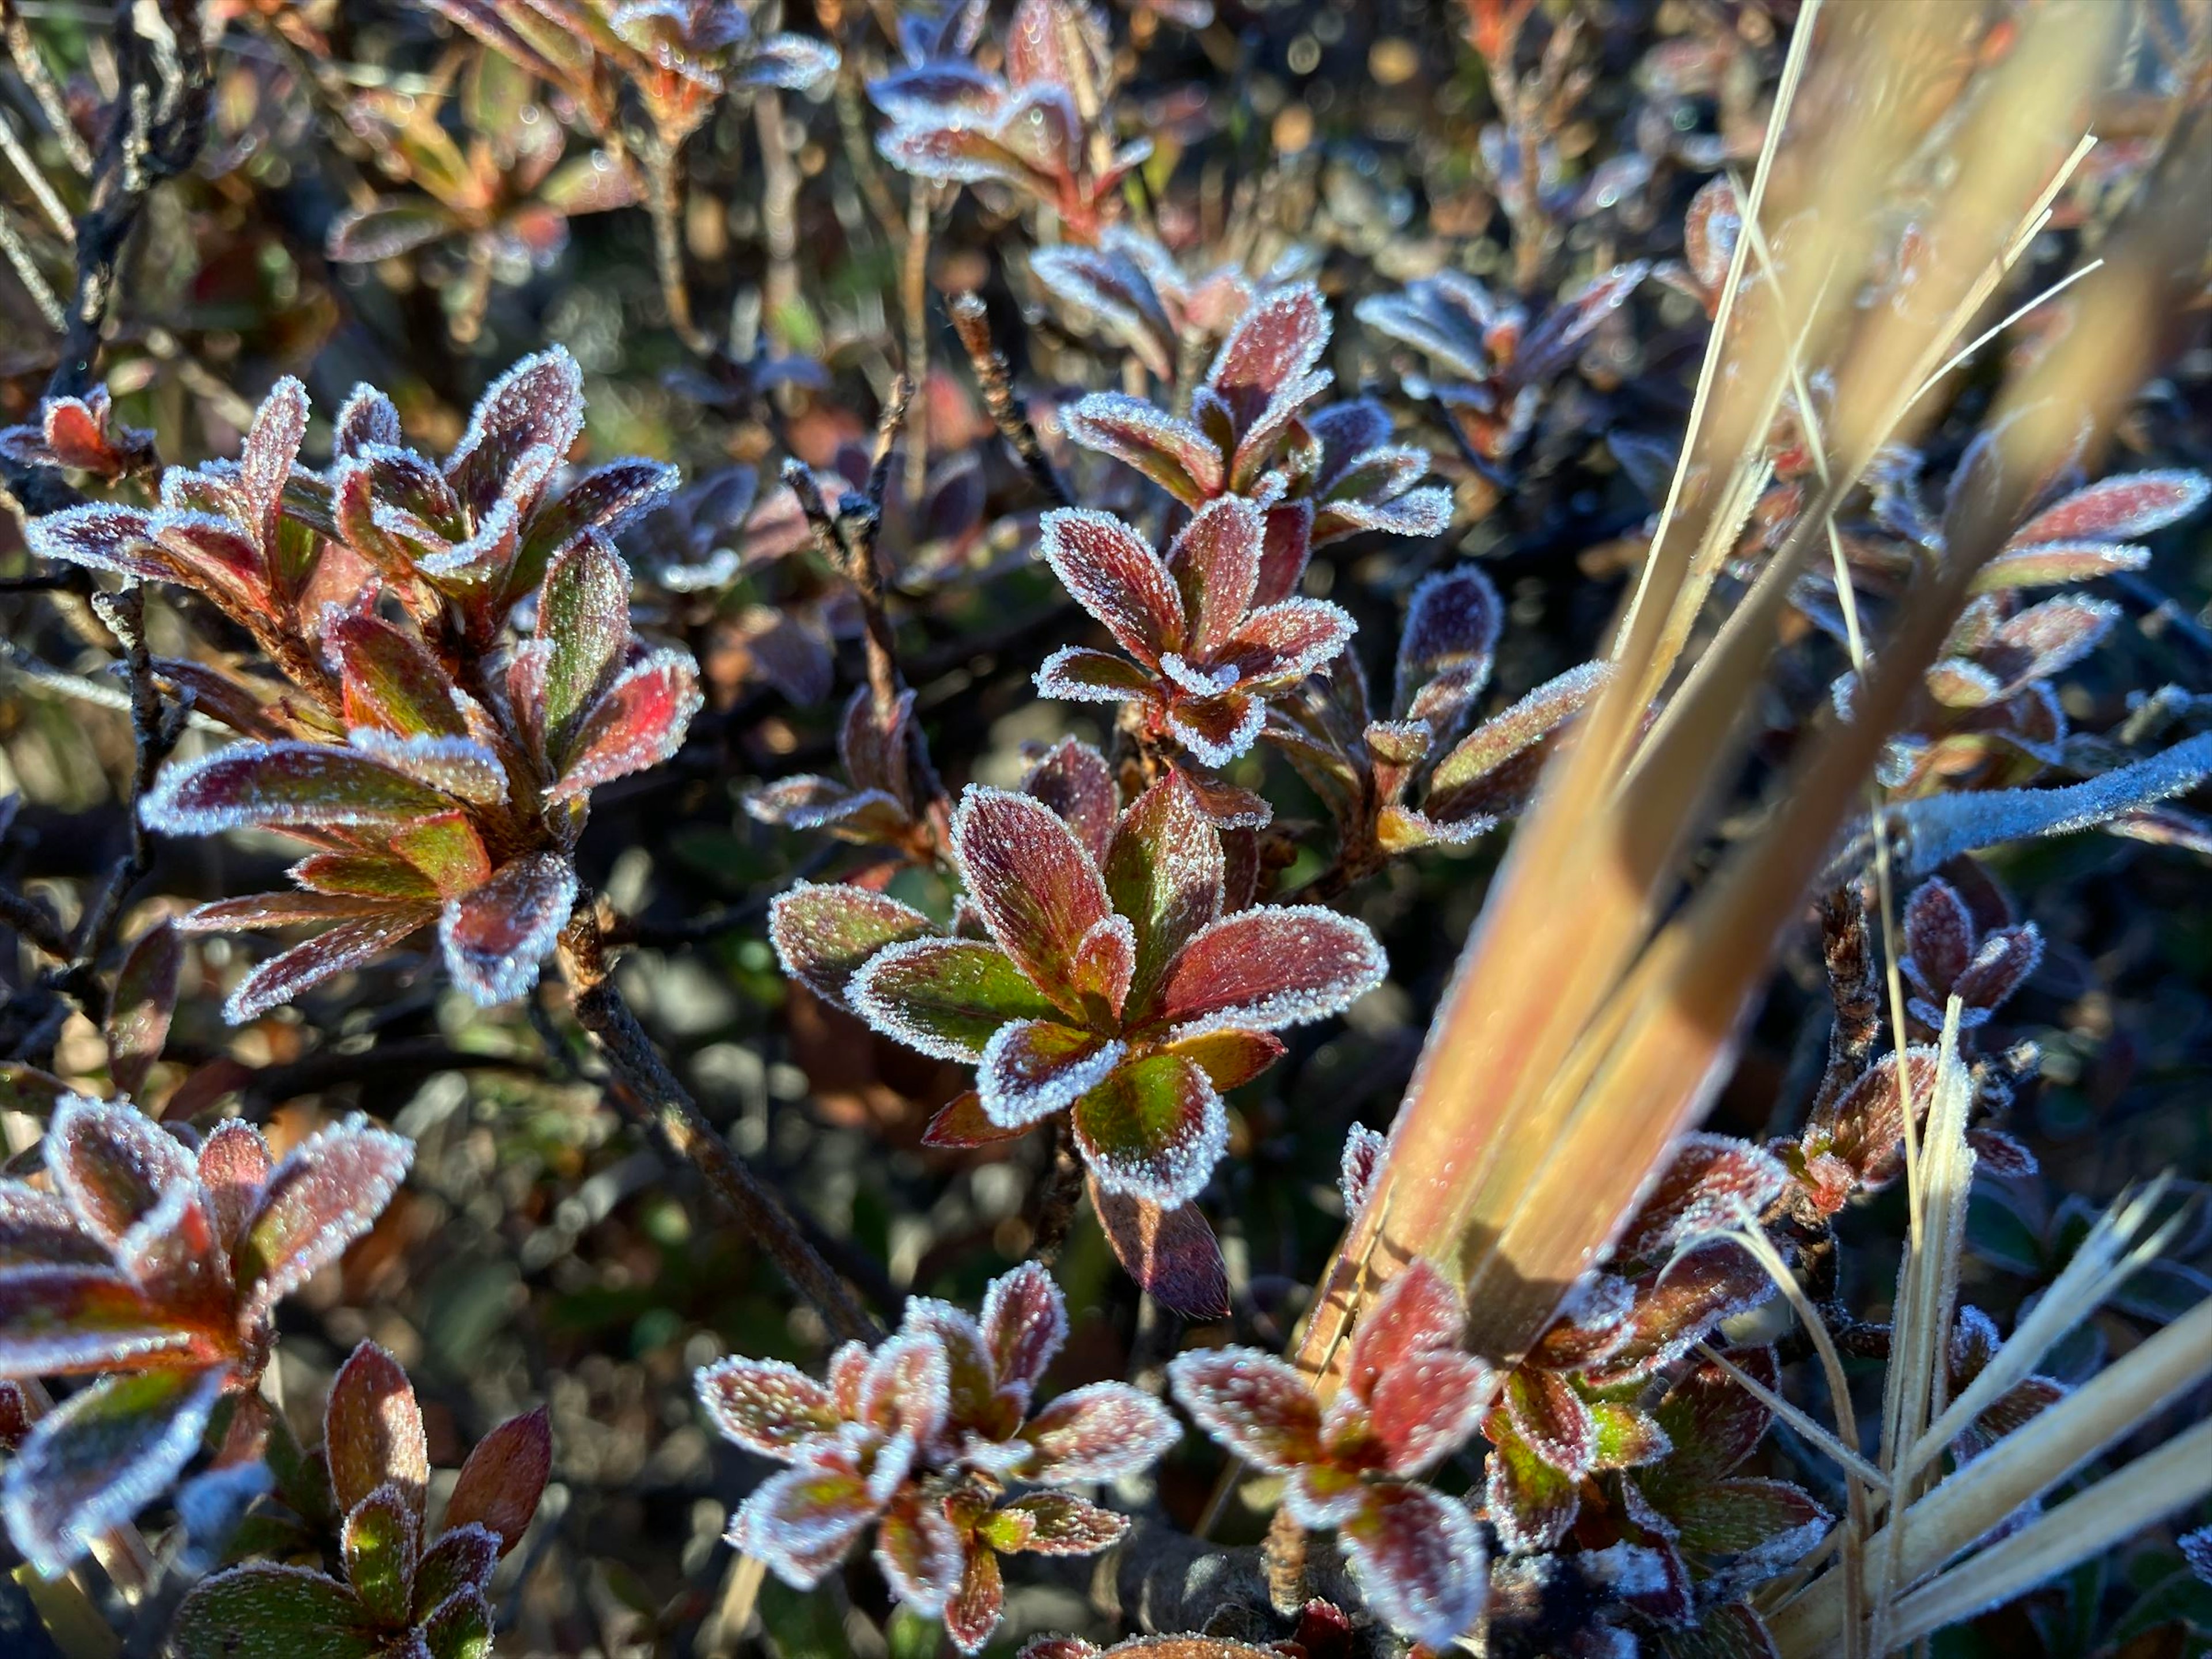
{"x": 973, "y": 323}
{"x": 649, "y": 1094}
{"x": 44, "y": 87}
{"x": 664, "y": 200}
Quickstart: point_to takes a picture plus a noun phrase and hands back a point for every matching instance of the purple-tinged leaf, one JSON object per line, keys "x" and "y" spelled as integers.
{"x": 1452, "y": 625}
{"x": 502, "y": 1479}
{"x": 58, "y": 1319}
{"x": 261, "y": 1611}
{"x": 366, "y": 418}
{"x": 1025, "y": 1321}
{"x": 2118, "y": 509}
{"x": 973, "y": 1612}
{"x": 537, "y": 404}
{"x": 1074, "y": 674}
{"x": 1101, "y": 1433}
{"x": 234, "y": 1165}
{"x": 1359, "y": 1164}
{"x": 1417, "y": 513}
{"x": 1254, "y": 1405}
{"x": 1713, "y": 1183}
{"x": 100, "y": 537}
{"x": 1114, "y": 286}
{"x": 327, "y": 1193}
{"x": 1053, "y": 1524}
{"x": 1115, "y": 577}
{"x": 638, "y": 722}
{"x": 1419, "y": 1561}
{"x": 1286, "y": 545}
{"x": 1940, "y": 937}
{"x": 1153, "y": 1130}
{"x": 960, "y": 1124}
{"x": 1548, "y": 348}
{"x": 334, "y": 952}
{"x": 1274, "y": 346}
{"x": 1266, "y": 969}
{"x": 139, "y": 1012}
{"x": 1286, "y": 640}
{"x": 944, "y": 997}
{"x": 373, "y": 1431}
{"x": 40, "y": 1230}
{"x": 495, "y": 938}
{"x": 380, "y": 1542}
{"x": 766, "y": 1406}
{"x": 463, "y": 1558}
{"x": 99, "y": 1457}
{"x": 824, "y": 934}
{"x": 1480, "y": 776}
{"x": 1173, "y": 453}
{"x": 1074, "y": 779}
{"x": 1865, "y": 1127}
{"x": 266, "y": 785}
{"x": 1420, "y": 1312}
{"x": 111, "y": 1163}
{"x": 1999, "y": 968}
{"x": 605, "y": 499}
{"x": 1171, "y": 1252}
{"x": 1037, "y": 889}
{"x": 1032, "y": 1068}
{"x": 918, "y": 1552}
{"x": 1215, "y": 562}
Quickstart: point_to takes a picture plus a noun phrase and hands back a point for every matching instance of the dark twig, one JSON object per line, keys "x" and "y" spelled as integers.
{"x": 1847, "y": 950}
{"x": 649, "y": 1094}
{"x": 43, "y": 85}
{"x": 35, "y": 923}
{"x": 996, "y": 380}
{"x": 1057, "y": 1196}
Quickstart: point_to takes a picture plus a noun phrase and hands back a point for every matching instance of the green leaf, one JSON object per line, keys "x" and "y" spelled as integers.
{"x": 262, "y": 1612}
{"x": 381, "y": 1540}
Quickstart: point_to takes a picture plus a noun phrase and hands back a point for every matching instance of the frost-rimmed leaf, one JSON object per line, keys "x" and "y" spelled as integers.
{"x": 380, "y": 1542}
{"x": 1419, "y": 1560}
{"x": 1037, "y": 889}
{"x": 1712, "y": 1183}
{"x": 1074, "y": 779}
{"x": 495, "y": 938}
{"x": 536, "y": 404}
{"x": 102, "y": 1456}
{"x": 263, "y": 1611}
{"x": 327, "y": 1192}
{"x": 1256, "y": 1405}
{"x": 336, "y": 950}
{"x": 1116, "y": 577}
{"x": 944, "y": 997}
{"x": 1032, "y": 1068}
{"x": 1265, "y": 968}
{"x": 823, "y": 933}
{"x": 373, "y": 1431}
{"x": 638, "y": 723}
{"x": 1099, "y": 1433}
{"x": 766, "y": 1406}
{"x": 1153, "y": 1130}
{"x": 1024, "y": 1322}
{"x": 1173, "y": 453}
{"x": 112, "y": 1164}
{"x": 264, "y": 785}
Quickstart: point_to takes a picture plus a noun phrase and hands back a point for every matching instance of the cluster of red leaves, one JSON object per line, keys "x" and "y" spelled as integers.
{"x": 1118, "y": 979}
{"x": 1030, "y": 129}
{"x": 440, "y": 767}
{"x": 158, "y": 1269}
{"x": 1366, "y": 767}
{"x": 406, "y": 1589}
{"x": 1493, "y": 366}
{"x": 1991, "y": 717}
{"x": 882, "y": 800}
{"x": 1411, "y": 1397}
{"x": 922, "y": 1437}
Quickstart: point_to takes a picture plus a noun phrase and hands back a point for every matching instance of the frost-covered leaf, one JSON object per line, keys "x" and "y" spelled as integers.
{"x": 145, "y": 997}
{"x": 1266, "y": 969}
{"x": 387, "y": 228}
{"x": 1074, "y": 779}
{"x": 944, "y": 997}
{"x": 1173, "y": 453}
{"x": 1100, "y": 1432}
{"x": 636, "y": 723}
{"x": 390, "y": 681}
{"x": 334, "y": 952}
{"x": 380, "y": 1542}
{"x": 262, "y": 785}
{"x": 1023, "y": 1321}
{"x": 1032, "y": 1068}
{"x": 1036, "y": 888}
{"x": 1419, "y": 1560}
{"x": 1712, "y": 1182}
{"x": 1474, "y": 778}
{"x": 112, "y": 1164}
{"x": 327, "y": 1192}
{"x": 373, "y": 1432}
{"x": 495, "y": 938}
{"x": 1252, "y": 1404}
{"x": 99, "y": 1457}
{"x": 2118, "y": 509}
{"x": 1117, "y": 578}
{"x": 1053, "y": 1524}
{"x": 1532, "y": 1502}
{"x": 1215, "y": 562}
{"x": 1452, "y": 624}
{"x": 538, "y": 403}
{"x": 261, "y": 1611}
{"x": 822, "y": 934}
{"x": 1153, "y": 1129}
{"x": 583, "y": 619}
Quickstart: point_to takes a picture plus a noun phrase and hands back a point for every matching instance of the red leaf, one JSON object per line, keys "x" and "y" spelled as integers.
{"x": 462, "y": 1559}
{"x": 960, "y": 1124}
{"x": 40, "y": 1230}
{"x": 269, "y": 785}
{"x": 638, "y": 723}
{"x": 144, "y": 999}
{"x": 1215, "y": 562}
{"x": 1032, "y": 1068}
{"x": 1712, "y": 1183}
{"x": 1419, "y": 1312}
{"x": 1286, "y": 543}
{"x": 327, "y": 1193}
{"x": 1074, "y": 779}
{"x": 1101, "y": 1433}
{"x": 1266, "y": 969}
{"x": 1164, "y": 871}
{"x": 1865, "y": 1127}
{"x": 373, "y": 1431}
{"x": 272, "y": 444}
{"x": 537, "y": 404}
{"x": 1036, "y": 888}
{"x": 348, "y": 945}
{"x": 973, "y": 1612}
{"x": 1173, "y": 453}
{"x": 822, "y": 934}
{"x": 801, "y": 1521}
{"x": 113, "y": 1163}
{"x": 1551, "y": 1421}
{"x": 920, "y": 1551}
{"x": 234, "y": 1165}
{"x": 1286, "y": 640}
{"x": 1074, "y": 674}
{"x": 2000, "y": 967}
{"x": 1053, "y": 1524}
{"x": 390, "y": 681}
{"x": 100, "y": 537}
{"x": 1119, "y": 580}
{"x": 58, "y": 1321}
{"x": 1427, "y": 1408}
{"x": 1421, "y": 1561}
{"x": 2118, "y": 509}
{"x": 1274, "y": 346}
{"x": 1024, "y": 1321}
{"x": 1171, "y": 1253}
{"x": 1253, "y": 1405}
{"x": 766, "y": 1406}
{"x": 503, "y": 1478}
{"x": 1939, "y": 938}
{"x": 495, "y": 938}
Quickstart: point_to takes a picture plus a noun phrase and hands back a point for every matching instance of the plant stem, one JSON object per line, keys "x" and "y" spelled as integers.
{"x": 996, "y": 382}
{"x": 664, "y": 197}
{"x": 649, "y": 1094}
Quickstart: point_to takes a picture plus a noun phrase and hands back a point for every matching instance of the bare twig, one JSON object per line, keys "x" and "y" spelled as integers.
{"x": 650, "y": 1095}
{"x": 972, "y": 323}
{"x": 43, "y": 86}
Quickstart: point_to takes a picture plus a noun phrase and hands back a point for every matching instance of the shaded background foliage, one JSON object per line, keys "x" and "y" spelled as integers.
{"x": 539, "y": 1253}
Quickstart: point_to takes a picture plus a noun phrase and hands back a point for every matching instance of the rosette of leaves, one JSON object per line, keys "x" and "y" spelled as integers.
{"x": 1991, "y": 717}
{"x": 79, "y": 434}
{"x": 1411, "y": 1397}
{"x": 952, "y": 123}
{"x": 924, "y": 1438}
{"x": 437, "y": 809}
{"x": 1132, "y": 289}
{"x": 157, "y": 1269}
{"x": 406, "y": 1589}
{"x": 508, "y": 195}
{"x": 1112, "y": 987}
{"x": 1365, "y": 768}
{"x": 1207, "y": 640}
{"x": 1321, "y": 475}
{"x": 1718, "y": 1530}
{"x": 882, "y": 800}
{"x": 1492, "y": 364}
